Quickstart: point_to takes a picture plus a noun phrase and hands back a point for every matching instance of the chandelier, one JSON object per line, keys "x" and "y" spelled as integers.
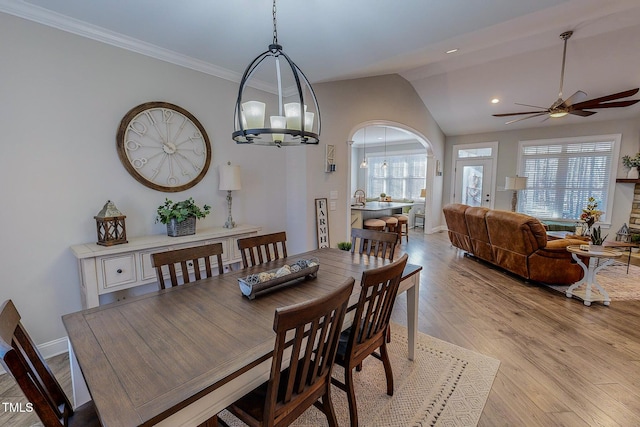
{"x": 294, "y": 120}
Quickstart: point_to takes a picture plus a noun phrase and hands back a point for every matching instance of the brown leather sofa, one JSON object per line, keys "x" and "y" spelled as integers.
{"x": 513, "y": 241}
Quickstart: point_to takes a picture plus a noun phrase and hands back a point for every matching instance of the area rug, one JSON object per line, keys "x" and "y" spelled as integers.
{"x": 620, "y": 285}
{"x": 445, "y": 385}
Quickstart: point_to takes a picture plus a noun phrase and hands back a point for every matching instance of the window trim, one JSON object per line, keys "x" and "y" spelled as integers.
{"x": 615, "y": 138}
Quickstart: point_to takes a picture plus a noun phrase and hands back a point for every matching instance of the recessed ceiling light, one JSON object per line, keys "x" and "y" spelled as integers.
{"x": 495, "y": 100}
{"x": 452, "y": 51}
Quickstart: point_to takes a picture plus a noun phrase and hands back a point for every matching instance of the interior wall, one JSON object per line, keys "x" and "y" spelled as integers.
{"x": 346, "y": 104}
{"x": 508, "y": 155}
{"x": 63, "y": 97}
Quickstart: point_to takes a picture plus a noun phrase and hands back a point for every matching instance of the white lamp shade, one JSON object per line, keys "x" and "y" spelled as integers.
{"x": 278, "y": 122}
{"x": 308, "y": 121}
{"x": 515, "y": 183}
{"x": 230, "y": 178}
{"x": 253, "y": 114}
{"x": 293, "y": 115}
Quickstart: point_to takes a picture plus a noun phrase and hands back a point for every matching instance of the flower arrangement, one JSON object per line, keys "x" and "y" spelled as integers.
{"x": 591, "y": 214}
{"x": 180, "y": 211}
{"x": 631, "y": 162}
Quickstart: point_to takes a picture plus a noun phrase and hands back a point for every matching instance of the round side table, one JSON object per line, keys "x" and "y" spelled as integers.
{"x": 589, "y": 279}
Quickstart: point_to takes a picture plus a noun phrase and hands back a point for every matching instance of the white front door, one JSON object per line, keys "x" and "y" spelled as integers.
{"x": 473, "y": 182}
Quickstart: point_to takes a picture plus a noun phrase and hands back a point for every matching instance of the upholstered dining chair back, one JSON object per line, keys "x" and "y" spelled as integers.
{"x": 309, "y": 332}
{"x": 256, "y": 250}
{"x": 368, "y": 332}
{"x": 21, "y": 358}
{"x": 177, "y": 262}
{"x": 373, "y": 242}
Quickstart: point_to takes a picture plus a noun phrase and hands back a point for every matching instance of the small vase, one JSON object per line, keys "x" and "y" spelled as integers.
{"x": 634, "y": 173}
{"x": 595, "y": 248}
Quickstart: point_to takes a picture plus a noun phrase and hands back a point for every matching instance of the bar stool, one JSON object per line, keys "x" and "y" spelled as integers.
{"x": 374, "y": 224}
{"x": 403, "y": 226}
{"x": 391, "y": 223}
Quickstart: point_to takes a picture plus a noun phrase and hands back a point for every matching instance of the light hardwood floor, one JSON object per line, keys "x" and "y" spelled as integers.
{"x": 562, "y": 363}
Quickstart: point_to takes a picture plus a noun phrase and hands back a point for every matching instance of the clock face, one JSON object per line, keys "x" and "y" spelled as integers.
{"x": 163, "y": 146}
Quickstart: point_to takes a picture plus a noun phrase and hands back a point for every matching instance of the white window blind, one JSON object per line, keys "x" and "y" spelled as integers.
{"x": 403, "y": 179}
{"x": 563, "y": 174}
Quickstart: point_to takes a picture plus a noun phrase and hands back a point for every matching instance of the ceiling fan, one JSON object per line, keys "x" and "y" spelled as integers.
{"x": 575, "y": 104}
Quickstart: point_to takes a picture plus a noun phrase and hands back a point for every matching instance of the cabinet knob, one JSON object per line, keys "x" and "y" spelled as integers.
{"x": 191, "y": 264}
{"x": 119, "y": 271}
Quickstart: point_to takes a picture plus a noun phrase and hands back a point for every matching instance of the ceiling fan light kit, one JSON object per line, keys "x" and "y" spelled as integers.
{"x": 575, "y": 104}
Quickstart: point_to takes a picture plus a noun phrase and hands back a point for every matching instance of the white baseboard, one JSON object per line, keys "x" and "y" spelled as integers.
{"x": 50, "y": 349}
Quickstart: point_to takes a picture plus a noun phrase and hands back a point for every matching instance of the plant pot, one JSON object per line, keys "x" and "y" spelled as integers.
{"x": 184, "y": 228}
{"x": 634, "y": 173}
{"x": 595, "y": 248}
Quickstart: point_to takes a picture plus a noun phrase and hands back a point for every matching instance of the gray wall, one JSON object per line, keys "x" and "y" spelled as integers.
{"x": 63, "y": 97}
{"x": 508, "y": 154}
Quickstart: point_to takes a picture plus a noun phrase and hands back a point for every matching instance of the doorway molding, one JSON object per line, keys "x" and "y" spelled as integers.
{"x": 431, "y": 165}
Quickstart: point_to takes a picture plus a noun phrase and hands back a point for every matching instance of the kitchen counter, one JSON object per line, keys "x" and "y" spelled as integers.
{"x": 381, "y": 206}
{"x": 375, "y": 210}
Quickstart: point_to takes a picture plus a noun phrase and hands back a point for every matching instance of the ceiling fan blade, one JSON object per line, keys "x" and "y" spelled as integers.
{"x": 615, "y": 104}
{"x": 582, "y": 113}
{"x": 590, "y": 103}
{"x": 517, "y": 114}
{"x": 579, "y": 96}
{"x": 529, "y": 105}
{"x": 525, "y": 118}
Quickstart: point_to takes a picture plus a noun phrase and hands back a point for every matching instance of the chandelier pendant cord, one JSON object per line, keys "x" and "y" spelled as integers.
{"x": 275, "y": 28}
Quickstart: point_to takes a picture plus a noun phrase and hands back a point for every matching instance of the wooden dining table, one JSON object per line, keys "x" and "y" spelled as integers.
{"x": 180, "y": 355}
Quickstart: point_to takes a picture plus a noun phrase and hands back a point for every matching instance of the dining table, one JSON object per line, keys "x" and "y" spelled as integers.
{"x": 178, "y": 356}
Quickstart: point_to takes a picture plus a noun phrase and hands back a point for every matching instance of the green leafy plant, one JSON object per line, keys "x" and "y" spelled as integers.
{"x": 383, "y": 195}
{"x": 631, "y": 162}
{"x": 596, "y": 236}
{"x": 635, "y": 238}
{"x": 345, "y": 246}
{"x": 180, "y": 211}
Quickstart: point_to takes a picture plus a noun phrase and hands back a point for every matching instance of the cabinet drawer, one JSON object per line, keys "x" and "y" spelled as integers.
{"x": 117, "y": 271}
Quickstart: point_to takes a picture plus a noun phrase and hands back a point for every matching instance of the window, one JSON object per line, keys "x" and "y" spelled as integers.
{"x": 563, "y": 173}
{"x": 404, "y": 177}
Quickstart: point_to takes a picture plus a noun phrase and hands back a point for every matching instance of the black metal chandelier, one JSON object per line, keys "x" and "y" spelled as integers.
{"x": 292, "y": 123}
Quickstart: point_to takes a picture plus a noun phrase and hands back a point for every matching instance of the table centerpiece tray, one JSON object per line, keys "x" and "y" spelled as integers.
{"x": 271, "y": 280}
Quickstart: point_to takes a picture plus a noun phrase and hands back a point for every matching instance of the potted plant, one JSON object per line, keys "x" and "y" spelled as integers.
{"x": 382, "y": 197}
{"x": 180, "y": 217}
{"x": 635, "y": 239}
{"x": 633, "y": 164}
{"x": 345, "y": 246}
{"x": 596, "y": 239}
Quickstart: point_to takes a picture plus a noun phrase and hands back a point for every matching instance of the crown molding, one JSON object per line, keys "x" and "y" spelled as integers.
{"x": 61, "y": 22}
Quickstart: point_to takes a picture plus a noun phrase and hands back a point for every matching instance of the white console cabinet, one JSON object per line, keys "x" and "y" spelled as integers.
{"x": 107, "y": 269}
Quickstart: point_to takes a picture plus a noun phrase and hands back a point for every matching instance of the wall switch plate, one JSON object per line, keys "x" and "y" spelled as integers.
{"x": 332, "y": 206}
{"x": 333, "y": 195}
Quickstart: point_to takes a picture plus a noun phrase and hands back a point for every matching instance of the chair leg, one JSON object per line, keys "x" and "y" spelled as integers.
{"x": 351, "y": 397}
{"x": 384, "y": 355}
{"x": 388, "y": 333}
{"x": 328, "y": 410}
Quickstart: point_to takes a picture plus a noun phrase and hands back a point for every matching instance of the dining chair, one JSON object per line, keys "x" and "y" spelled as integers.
{"x": 256, "y": 250}
{"x": 311, "y": 331}
{"x": 368, "y": 332}
{"x": 373, "y": 242}
{"x": 21, "y": 358}
{"x": 193, "y": 258}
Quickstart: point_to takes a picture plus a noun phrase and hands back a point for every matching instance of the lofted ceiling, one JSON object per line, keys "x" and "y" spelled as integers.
{"x": 507, "y": 49}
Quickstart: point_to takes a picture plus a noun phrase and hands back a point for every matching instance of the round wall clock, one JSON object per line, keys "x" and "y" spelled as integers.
{"x": 163, "y": 146}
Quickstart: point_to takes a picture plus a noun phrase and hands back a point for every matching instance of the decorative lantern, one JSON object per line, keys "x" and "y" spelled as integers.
{"x": 623, "y": 234}
{"x": 110, "y": 225}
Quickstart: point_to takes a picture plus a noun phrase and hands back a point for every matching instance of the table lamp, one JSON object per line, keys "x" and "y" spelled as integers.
{"x": 229, "y": 181}
{"x": 515, "y": 183}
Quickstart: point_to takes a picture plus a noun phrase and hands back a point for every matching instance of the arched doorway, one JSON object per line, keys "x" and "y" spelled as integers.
{"x": 378, "y": 139}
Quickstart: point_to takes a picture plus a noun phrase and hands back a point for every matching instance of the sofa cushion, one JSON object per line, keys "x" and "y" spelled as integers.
{"x": 477, "y": 225}
{"x": 457, "y": 226}
{"x": 514, "y": 237}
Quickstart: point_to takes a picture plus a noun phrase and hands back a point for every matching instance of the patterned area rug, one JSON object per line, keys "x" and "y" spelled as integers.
{"x": 620, "y": 285}
{"x": 445, "y": 385}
